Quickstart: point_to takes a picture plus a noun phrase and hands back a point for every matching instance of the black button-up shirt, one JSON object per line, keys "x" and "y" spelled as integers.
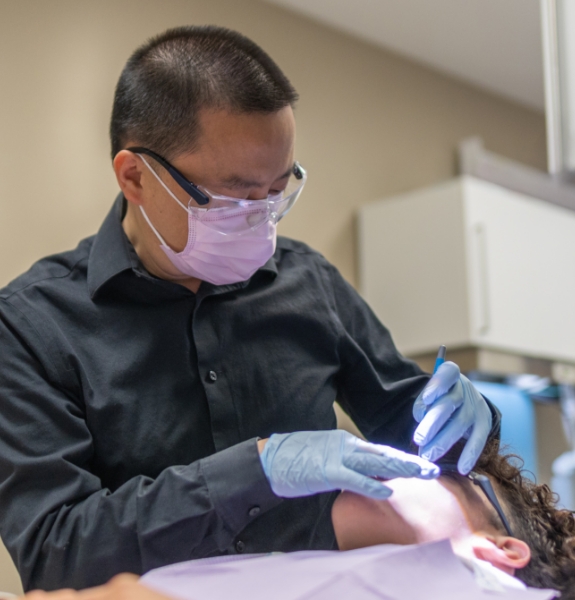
{"x": 130, "y": 407}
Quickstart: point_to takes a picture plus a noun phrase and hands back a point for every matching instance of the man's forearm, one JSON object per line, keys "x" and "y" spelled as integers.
{"x": 186, "y": 512}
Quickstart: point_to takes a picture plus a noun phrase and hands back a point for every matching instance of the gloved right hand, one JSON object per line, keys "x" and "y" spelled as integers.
{"x": 310, "y": 462}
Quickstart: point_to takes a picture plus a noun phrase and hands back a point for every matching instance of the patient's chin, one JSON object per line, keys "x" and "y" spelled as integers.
{"x": 359, "y": 522}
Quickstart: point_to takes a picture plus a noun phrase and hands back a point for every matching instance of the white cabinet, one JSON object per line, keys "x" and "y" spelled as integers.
{"x": 469, "y": 263}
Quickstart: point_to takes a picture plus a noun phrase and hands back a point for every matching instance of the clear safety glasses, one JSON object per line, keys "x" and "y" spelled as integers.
{"x": 207, "y": 206}
{"x": 483, "y": 482}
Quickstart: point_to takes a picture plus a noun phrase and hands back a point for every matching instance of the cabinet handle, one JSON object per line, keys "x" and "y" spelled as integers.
{"x": 482, "y": 278}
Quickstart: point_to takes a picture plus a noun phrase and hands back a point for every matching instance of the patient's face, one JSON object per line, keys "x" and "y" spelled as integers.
{"x": 418, "y": 511}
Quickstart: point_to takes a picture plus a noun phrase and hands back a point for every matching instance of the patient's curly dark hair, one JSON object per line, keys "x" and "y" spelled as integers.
{"x": 534, "y": 517}
{"x": 548, "y": 531}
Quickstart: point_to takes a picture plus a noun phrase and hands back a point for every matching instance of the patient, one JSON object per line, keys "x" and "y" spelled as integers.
{"x": 540, "y": 551}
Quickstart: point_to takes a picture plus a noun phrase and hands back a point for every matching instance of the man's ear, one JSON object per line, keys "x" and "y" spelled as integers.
{"x": 128, "y": 171}
{"x": 506, "y": 553}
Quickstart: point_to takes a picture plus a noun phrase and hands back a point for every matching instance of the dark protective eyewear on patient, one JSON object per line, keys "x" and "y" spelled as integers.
{"x": 189, "y": 187}
{"x": 486, "y": 486}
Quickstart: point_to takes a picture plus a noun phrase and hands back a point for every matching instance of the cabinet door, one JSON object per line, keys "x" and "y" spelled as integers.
{"x": 413, "y": 267}
{"x": 521, "y": 275}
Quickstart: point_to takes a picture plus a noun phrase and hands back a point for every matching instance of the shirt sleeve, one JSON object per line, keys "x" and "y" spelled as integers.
{"x": 377, "y": 386}
{"x": 65, "y": 529}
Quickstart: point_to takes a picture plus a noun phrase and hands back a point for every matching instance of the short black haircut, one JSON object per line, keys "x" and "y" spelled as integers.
{"x": 169, "y": 79}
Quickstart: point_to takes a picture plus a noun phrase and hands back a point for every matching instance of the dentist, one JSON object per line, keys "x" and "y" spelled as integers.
{"x": 167, "y": 387}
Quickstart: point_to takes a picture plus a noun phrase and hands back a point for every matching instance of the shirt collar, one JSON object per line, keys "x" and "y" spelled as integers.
{"x": 270, "y": 267}
{"x": 112, "y": 254}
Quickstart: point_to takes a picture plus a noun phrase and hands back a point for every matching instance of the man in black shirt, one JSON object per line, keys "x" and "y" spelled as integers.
{"x": 144, "y": 372}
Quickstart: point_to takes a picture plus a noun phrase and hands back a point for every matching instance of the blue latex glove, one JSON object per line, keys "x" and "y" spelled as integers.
{"x": 310, "y": 462}
{"x": 449, "y": 408}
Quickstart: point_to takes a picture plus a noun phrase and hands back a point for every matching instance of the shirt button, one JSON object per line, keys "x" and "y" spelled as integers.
{"x": 213, "y": 376}
{"x": 240, "y": 547}
{"x": 254, "y": 511}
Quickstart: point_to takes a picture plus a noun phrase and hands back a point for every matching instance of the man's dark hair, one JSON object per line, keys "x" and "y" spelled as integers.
{"x": 168, "y": 80}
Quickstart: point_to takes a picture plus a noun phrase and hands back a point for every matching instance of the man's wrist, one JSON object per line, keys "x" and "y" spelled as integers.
{"x": 261, "y": 445}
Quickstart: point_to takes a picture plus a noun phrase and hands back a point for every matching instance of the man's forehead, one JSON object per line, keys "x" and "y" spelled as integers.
{"x": 218, "y": 127}
{"x": 239, "y": 150}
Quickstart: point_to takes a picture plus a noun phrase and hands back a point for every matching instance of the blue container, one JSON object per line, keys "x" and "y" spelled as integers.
{"x": 518, "y": 429}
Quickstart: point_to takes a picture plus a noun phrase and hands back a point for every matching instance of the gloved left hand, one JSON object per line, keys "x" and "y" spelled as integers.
{"x": 311, "y": 462}
{"x": 447, "y": 409}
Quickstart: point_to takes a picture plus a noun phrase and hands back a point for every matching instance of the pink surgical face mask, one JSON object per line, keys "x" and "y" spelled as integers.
{"x": 225, "y": 245}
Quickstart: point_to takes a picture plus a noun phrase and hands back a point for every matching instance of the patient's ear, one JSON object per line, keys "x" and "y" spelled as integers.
{"x": 506, "y": 553}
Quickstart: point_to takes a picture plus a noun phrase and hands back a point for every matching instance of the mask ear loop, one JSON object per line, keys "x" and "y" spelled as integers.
{"x": 162, "y": 184}
{"x": 169, "y": 192}
{"x": 153, "y": 228}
